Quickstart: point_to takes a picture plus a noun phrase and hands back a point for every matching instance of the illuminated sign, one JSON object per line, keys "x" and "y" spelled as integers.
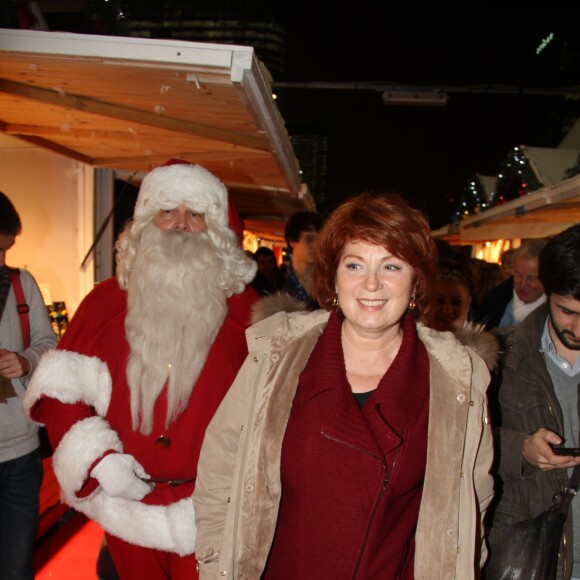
{"x": 545, "y": 42}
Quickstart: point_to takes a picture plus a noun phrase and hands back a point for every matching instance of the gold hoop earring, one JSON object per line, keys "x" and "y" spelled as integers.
{"x": 412, "y": 303}
{"x": 334, "y": 302}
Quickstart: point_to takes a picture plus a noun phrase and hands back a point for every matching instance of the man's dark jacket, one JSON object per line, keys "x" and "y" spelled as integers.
{"x": 527, "y": 403}
{"x": 494, "y": 304}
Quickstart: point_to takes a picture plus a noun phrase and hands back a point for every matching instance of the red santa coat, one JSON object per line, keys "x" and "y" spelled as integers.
{"x": 81, "y": 393}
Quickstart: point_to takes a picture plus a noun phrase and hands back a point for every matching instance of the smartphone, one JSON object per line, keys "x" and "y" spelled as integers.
{"x": 575, "y": 451}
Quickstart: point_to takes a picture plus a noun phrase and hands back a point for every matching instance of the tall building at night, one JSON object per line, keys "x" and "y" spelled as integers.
{"x": 312, "y": 153}
{"x": 253, "y": 23}
{"x": 256, "y": 23}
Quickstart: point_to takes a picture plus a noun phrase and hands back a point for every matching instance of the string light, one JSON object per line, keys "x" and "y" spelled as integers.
{"x": 515, "y": 179}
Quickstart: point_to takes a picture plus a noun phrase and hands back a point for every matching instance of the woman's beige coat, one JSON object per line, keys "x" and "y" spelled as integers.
{"x": 238, "y": 488}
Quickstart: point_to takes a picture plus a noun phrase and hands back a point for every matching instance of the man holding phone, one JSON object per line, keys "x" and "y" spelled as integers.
{"x": 538, "y": 397}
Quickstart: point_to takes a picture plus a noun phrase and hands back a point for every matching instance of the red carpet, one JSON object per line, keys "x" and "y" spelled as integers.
{"x": 69, "y": 550}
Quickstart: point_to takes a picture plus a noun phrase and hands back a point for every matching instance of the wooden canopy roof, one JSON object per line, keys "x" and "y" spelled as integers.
{"x": 132, "y": 104}
{"x": 539, "y": 214}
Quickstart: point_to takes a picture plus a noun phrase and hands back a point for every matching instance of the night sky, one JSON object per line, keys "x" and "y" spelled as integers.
{"x": 426, "y": 153}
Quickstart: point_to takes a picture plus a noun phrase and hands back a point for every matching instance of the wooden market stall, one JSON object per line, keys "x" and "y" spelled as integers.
{"x": 540, "y": 213}
{"x": 87, "y": 103}
{"x": 79, "y": 111}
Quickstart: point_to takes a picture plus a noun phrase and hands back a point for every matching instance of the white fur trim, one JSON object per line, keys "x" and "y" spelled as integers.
{"x": 82, "y": 445}
{"x": 169, "y": 528}
{"x": 443, "y": 346}
{"x": 274, "y": 303}
{"x": 485, "y": 344}
{"x": 70, "y": 377}
{"x": 169, "y": 186}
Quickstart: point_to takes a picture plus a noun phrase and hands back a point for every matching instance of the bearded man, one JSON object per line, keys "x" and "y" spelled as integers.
{"x": 538, "y": 437}
{"x": 142, "y": 368}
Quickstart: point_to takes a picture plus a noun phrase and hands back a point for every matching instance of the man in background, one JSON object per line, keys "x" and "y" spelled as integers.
{"x": 25, "y": 334}
{"x": 268, "y": 279}
{"x": 301, "y": 234}
{"x": 538, "y": 400}
{"x": 510, "y": 302}
{"x": 144, "y": 364}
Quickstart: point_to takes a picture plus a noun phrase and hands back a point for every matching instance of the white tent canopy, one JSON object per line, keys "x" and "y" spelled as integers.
{"x": 550, "y": 164}
{"x": 488, "y": 185}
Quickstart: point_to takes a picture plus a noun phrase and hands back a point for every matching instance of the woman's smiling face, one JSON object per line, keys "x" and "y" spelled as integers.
{"x": 374, "y": 288}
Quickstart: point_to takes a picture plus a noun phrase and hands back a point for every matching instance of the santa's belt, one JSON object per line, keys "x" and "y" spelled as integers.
{"x": 172, "y": 482}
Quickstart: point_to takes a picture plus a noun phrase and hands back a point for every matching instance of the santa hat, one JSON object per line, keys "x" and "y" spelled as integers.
{"x": 234, "y": 219}
{"x": 169, "y": 186}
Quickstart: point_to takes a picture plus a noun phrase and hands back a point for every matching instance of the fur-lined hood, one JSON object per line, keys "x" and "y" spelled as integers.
{"x": 274, "y": 303}
{"x": 484, "y": 343}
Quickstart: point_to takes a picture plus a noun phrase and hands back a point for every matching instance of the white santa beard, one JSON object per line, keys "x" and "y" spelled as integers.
{"x": 175, "y": 310}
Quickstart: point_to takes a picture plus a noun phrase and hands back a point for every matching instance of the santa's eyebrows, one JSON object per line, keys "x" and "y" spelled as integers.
{"x": 189, "y": 209}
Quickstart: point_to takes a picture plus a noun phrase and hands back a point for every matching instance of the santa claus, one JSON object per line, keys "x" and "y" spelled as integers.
{"x": 144, "y": 364}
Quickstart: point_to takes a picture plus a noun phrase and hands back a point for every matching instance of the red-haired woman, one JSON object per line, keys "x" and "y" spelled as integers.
{"x": 354, "y": 442}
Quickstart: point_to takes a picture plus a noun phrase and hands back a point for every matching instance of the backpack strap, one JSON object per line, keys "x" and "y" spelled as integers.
{"x": 21, "y": 306}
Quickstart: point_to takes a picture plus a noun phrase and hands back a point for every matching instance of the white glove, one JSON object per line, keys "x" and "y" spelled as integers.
{"x": 119, "y": 473}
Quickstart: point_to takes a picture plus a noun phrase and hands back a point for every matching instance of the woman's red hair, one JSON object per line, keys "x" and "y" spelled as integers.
{"x": 380, "y": 219}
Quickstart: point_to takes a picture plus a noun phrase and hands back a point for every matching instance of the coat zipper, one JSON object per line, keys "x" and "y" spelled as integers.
{"x": 378, "y": 500}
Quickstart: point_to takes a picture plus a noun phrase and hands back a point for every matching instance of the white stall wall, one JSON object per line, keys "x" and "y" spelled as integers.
{"x": 53, "y": 195}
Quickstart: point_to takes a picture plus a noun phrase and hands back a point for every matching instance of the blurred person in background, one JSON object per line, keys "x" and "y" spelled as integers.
{"x": 485, "y": 276}
{"x": 268, "y": 279}
{"x": 451, "y": 300}
{"x": 301, "y": 234}
{"x": 25, "y": 335}
{"x": 507, "y": 263}
{"x": 510, "y": 302}
{"x": 452, "y": 258}
{"x": 354, "y": 441}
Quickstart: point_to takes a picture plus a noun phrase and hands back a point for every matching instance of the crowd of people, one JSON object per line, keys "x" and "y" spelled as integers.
{"x": 378, "y": 407}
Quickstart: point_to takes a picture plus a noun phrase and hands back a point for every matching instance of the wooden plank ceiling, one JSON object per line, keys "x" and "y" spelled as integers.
{"x": 133, "y": 104}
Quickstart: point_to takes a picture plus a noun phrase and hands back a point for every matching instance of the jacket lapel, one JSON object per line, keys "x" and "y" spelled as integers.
{"x": 379, "y": 427}
{"x": 325, "y": 376}
{"x": 402, "y": 392}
